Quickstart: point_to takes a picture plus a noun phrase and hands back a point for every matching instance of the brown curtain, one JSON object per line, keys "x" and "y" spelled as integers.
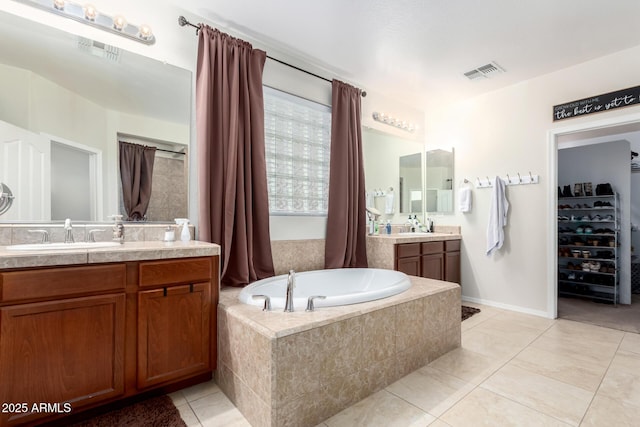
{"x": 232, "y": 172}
{"x": 136, "y": 172}
{"x": 346, "y": 218}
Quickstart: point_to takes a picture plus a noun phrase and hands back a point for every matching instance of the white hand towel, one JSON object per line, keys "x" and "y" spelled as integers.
{"x": 464, "y": 199}
{"x": 370, "y": 199}
{"x": 497, "y": 216}
{"x": 388, "y": 203}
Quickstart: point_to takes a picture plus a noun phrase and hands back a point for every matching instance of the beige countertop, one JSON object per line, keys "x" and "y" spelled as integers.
{"x": 129, "y": 251}
{"x": 415, "y": 238}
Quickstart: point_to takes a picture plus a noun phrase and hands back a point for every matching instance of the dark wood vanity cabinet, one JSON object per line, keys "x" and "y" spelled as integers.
{"x": 77, "y": 337}
{"x": 438, "y": 260}
{"x": 452, "y": 261}
{"x": 174, "y": 320}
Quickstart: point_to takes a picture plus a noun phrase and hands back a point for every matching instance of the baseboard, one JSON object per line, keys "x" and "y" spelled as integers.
{"x": 509, "y": 307}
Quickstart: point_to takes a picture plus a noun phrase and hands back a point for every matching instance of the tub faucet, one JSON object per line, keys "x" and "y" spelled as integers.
{"x": 291, "y": 283}
{"x": 68, "y": 231}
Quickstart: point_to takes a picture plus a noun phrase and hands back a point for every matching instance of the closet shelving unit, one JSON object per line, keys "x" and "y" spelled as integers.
{"x": 600, "y": 246}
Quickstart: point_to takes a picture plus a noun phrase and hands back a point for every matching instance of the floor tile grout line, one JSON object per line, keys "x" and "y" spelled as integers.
{"x": 602, "y": 379}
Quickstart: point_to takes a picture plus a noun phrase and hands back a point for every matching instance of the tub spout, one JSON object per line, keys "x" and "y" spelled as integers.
{"x": 291, "y": 283}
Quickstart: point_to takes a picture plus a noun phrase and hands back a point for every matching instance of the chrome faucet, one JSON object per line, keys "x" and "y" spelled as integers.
{"x": 68, "y": 231}
{"x": 291, "y": 283}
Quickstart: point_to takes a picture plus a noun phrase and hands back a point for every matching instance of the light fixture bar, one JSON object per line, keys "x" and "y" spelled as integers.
{"x": 392, "y": 121}
{"x": 88, "y": 14}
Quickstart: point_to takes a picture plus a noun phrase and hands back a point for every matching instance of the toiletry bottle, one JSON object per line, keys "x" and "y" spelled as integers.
{"x": 185, "y": 235}
{"x": 118, "y": 229}
{"x": 388, "y": 226}
{"x": 169, "y": 234}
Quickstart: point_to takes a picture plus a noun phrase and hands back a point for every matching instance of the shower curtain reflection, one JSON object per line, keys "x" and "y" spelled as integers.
{"x": 136, "y": 172}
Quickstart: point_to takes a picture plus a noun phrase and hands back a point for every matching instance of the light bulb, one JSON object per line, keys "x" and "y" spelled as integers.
{"x": 90, "y": 12}
{"x": 119, "y": 22}
{"x": 145, "y": 32}
{"x": 58, "y": 4}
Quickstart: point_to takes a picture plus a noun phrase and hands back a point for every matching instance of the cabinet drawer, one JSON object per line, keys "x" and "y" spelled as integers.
{"x": 452, "y": 245}
{"x": 61, "y": 282}
{"x": 154, "y": 273}
{"x": 432, "y": 247}
{"x": 407, "y": 249}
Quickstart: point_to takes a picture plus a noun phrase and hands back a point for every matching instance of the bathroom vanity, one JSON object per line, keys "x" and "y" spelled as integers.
{"x": 82, "y": 328}
{"x": 430, "y": 255}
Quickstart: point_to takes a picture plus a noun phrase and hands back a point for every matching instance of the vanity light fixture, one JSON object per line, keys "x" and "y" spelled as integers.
{"x": 89, "y": 14}
{"x": 392, "y": 121}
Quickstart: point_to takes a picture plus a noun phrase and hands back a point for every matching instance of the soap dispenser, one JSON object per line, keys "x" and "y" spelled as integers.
{"x": 185, "y": 235}
{"x": 118, "y": 229}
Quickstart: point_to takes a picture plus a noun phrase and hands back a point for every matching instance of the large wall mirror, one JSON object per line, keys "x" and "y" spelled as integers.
{"x": 393, "y": 174}
{"x": 65, "y": 102}
{"x": 439, "y": 181}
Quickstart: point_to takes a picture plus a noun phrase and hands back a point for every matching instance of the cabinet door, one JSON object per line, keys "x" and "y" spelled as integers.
{"x": 410, "y": 265}
{"x": 452, "y": 267}
{"x": 173, "y": 333}
{"x": 433, "y": 266}
{"x": 66, "y": 351}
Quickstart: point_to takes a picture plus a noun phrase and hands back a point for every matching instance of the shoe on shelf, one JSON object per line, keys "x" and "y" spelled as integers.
{"x": 597, "y": 204}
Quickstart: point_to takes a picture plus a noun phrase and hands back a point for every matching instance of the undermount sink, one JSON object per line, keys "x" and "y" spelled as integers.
{"x": 61, "y": 246}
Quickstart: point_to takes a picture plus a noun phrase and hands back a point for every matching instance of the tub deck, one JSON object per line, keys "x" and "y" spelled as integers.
{"x": 298, "y": 369}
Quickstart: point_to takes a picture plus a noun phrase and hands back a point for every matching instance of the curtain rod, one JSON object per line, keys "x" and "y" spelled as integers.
{"x": 169, "y": 151}
{"x": 182, "y": 21}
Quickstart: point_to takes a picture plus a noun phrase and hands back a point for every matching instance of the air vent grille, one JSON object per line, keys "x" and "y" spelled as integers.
{"x": 101, "y": 50}
{"x": 484, "y": 71}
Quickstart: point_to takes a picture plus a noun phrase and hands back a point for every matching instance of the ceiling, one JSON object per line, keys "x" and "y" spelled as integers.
{"x": 416, "y": 51}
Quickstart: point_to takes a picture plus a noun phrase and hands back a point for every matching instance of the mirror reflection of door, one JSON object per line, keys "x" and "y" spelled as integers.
{"x": 25, "y": 159}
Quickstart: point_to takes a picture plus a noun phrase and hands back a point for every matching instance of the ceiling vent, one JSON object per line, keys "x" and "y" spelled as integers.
{"x": 484, "y": 71}
{"x": 101, "y": 50}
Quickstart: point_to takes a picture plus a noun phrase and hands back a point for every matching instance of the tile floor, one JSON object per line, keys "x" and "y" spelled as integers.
{"x": 512, "y": 369}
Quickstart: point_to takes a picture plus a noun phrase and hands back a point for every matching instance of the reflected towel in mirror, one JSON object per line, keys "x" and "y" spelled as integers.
{"x": 388, "y": 203}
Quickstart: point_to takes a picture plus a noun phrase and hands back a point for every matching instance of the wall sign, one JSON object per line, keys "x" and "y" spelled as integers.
{"x": 597, "y": 104}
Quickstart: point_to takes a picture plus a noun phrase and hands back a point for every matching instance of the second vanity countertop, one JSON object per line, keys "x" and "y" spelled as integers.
{"x": 128, "y": 251}
{"x": 415, "y": 238}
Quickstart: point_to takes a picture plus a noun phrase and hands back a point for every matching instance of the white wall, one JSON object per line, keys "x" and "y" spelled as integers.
{"x": 600, "y": 163}
{"x": 507, "y": 131}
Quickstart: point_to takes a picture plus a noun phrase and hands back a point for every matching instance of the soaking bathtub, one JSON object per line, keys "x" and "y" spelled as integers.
{"x": 340, "y": 286}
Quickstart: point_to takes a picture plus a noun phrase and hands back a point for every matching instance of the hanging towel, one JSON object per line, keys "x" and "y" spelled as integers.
{"x": 388, "y": 203}
{"x": 370, "y": 200}
{"x": 464, "y": 199}
{"x": 497, "y": 216}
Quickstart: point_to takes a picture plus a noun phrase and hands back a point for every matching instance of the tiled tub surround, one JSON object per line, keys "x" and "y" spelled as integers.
{"x": 297, "y": 369}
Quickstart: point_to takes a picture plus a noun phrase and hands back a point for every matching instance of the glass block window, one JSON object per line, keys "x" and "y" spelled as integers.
{"x": 297, "y": 140}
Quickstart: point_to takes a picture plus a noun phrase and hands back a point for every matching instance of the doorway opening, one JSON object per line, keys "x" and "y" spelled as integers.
{"x": 595, "y": 263}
